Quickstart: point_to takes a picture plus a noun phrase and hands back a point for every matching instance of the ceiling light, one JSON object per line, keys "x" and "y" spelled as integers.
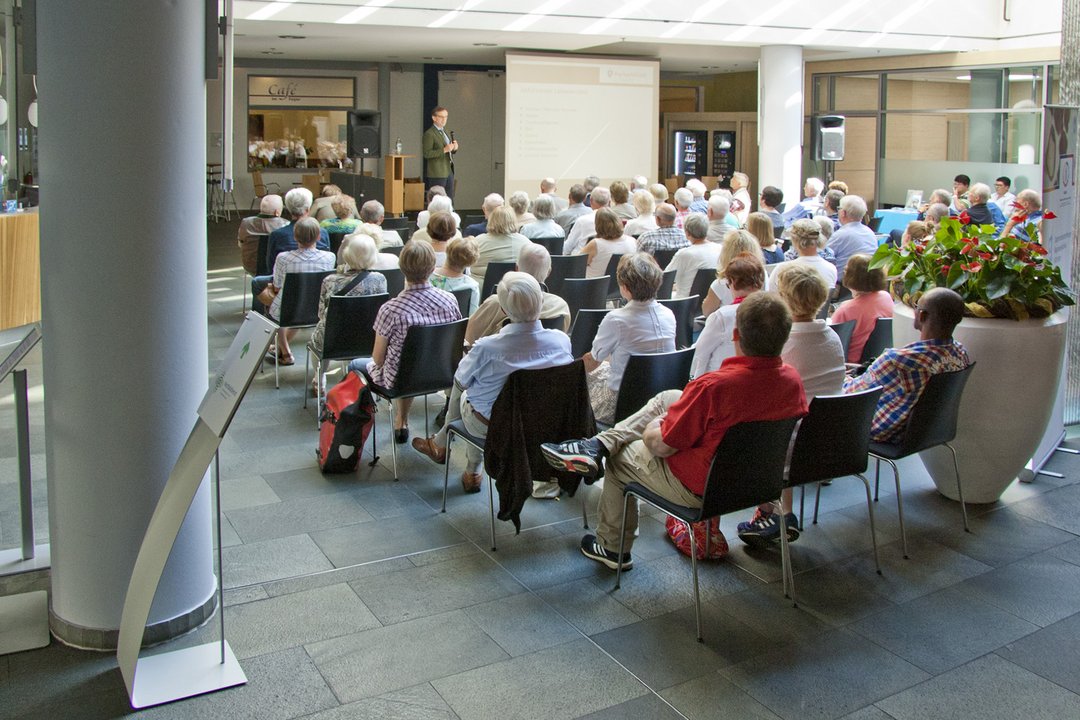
{"x": 268, "y": 11}
{"x": 484, "y": 45}
{"x": 293, "y": 37}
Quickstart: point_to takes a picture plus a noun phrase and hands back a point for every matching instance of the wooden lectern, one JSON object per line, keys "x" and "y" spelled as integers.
{"x": 394, "y": 179}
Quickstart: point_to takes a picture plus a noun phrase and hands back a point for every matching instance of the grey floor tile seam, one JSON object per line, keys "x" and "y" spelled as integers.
{"x": 532, "y": 591}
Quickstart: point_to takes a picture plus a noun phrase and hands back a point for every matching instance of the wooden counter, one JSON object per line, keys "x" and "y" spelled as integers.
{"x": 20, "y": 269}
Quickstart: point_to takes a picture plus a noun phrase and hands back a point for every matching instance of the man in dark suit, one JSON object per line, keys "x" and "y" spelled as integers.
{"x": 439, "y": 151}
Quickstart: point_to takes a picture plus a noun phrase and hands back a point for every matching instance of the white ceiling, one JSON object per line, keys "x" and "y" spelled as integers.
{"x": 705, "y": 36}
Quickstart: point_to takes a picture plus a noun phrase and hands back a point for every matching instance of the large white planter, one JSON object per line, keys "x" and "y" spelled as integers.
{"x": 1006, "y": 404}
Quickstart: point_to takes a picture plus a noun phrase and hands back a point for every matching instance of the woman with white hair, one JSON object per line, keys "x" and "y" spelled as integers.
{"x": 544, "y": 226}
{"x": 519, "y": 203}
{"x": 524, "y": 344}
{"x": 645, "y": 204}
{"x": 354, "y": 277}
{"x": 383, "y": 261}
{"x": 438, "y": 203}
{"x": 807, "y": 241}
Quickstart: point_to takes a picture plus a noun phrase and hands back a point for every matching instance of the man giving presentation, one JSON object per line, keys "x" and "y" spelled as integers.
{"x": 439, "y": 149}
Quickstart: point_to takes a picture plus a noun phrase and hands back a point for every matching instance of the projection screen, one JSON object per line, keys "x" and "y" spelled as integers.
{"x": 572, "y": 116}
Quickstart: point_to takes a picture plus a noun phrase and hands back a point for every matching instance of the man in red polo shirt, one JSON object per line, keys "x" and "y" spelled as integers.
{"x": 668, "y": 445}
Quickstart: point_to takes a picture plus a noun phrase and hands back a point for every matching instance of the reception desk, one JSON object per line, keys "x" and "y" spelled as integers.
{"x": 20, "y": 269}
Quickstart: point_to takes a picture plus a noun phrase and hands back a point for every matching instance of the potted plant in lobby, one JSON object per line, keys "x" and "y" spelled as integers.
{"x": 1014, "y": 329}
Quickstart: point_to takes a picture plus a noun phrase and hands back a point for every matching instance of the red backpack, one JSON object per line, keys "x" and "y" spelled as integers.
{"x": 346, "y": 422}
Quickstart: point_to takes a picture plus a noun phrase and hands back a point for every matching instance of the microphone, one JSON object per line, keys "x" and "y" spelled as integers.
{"x": 452, "y": 138}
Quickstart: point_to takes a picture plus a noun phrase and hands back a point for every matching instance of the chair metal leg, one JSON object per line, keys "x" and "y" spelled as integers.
{"x": 802, "y": 505}
{"x": 374, "y": 438}
{"x": 318, "y": 389}
{"x": 491, "y": 505}
{"x": 393, "y": 440}
{"x": 870, "y": 511}
{"x": 427, "y": 432}
{"x": 584, "y": 512}
{"x": 785, "y": 560}
{"x": 899, "y": 505}
{"x": 817, "y": 502}
{"x": 446, "y": 467}
{"x": 877, "y": 477}
{"x": 959, "y": 487}
{"x": 693, "y": 566}
{"x": 277, "y": 379}
{"x": 622, "y": 539}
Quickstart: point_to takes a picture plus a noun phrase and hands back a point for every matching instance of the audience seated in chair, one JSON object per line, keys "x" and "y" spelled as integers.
{"x": 585, "y": 225}
{"x": 576, "y": 209}
{"x": 501, "y": 243}
{"x": 298, "y": 203}
{"x": 450, "y": 276}
{"x": 721, "y": 221}
{"x": 853, "y": 237}
{"x": 523, "y": 344}
{"x": 641, "y": 326}
{"x": 735, "y": 243}
{"x": 344, "y": 220}
{"x": 620, "y": 201}
{"x": 490, "y": 317}
{"x": 698, "y": 190}
{"x": 807, "y": 242}
{"x": 666, "y": 236}
{"x": 610, "y": 240}
{"x": 374, "y": 213}
{"x": 817, "y": 355}
{"x": 869, "y": 301}
{"x": 437, "y": 202}
{"x": 418, "y": 304}
{"x": 252, "y": 228}
{"x": 384, "y": 260}
{"x": 761, "y": 226}
{"x": 669, "y": 444}
{"x": 322, "y": 207}
{"x": 770, "y": 198}
{"x": 645, "y": 205}
{"x": 903, "y": 372}
{"x": 519, "y": 203}
{"x": 544, "y": 225}
{"x": 439, "y": 231}
{"x": 358, "y": 255}
{"x": 700, "y": 254}
{"x": 305, "y": 258}
{"x": 491, "y": 201}
{"x": 744, "y": 275}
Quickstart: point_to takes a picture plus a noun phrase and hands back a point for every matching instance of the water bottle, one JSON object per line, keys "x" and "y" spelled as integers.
{"x": 397, "y": 146}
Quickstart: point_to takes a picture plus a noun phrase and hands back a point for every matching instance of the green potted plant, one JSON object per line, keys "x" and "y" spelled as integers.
{"x": 1014, "y": 331}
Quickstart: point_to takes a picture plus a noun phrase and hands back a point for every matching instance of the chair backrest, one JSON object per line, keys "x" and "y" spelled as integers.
{"x": 393, "y": 249}
{"x": 350, "y": 331}
{"x": 554, "y": 245}
{"x": 663, "y": 256}
{"x": 778, "y": 231}
{"x": 585, "y": 293}
{"x": 667, "y": 285}
{"x": 685, "y": 310}
{"x": 398, "y": 223}
{"x": 395, "y": 281}
{"x": 649, "y": 373}
{"x": 933, "y": 418}
{"x": 335, "y": 241}
{"x": 429, "y": 358}
{"x": 492, "y": 275}
{"x": 833, "y": 438}
{"x": 583, "y": 331}
{"x": 472, "y": 220}
{"x": 748, "y": 468}
{"x": 843, "y": 331}
{"x": 875, "y": 223}
{"x": 261, "y": 265}
{"x": 700, "y": 287}
{"x": 464, "y": 299}
{"x": 611, "y": 272}
{"x": 880, "y": 338}
{"x": 564, "y": 267}
{"x": 300, "y": 299}
{"x": 552, "y": 323}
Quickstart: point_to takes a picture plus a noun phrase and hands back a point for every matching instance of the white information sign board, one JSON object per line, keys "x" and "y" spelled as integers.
{"x": 237, "y": 369}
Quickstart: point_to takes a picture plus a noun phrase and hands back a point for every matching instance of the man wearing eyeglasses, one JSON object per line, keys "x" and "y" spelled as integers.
{"x": 904, "y": 372}
{"x": 1003, "y": 196}
{"x": 439, "y": 148}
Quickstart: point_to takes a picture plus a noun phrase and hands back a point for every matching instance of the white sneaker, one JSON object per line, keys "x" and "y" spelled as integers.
{"x": 545, "y": 490}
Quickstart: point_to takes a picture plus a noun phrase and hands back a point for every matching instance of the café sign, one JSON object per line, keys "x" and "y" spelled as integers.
{"x": 297, "y": 91}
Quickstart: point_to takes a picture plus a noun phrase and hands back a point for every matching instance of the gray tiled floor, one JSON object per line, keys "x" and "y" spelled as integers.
{"x": 351, "y": 597}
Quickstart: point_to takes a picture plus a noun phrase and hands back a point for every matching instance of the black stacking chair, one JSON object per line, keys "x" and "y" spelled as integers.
{"x": 552, "y": 323}
{"x": 843, "y": 331}
{"x": 832, "y": 442}
{"x": 613, "y": 284}
{"x": 393, "y": 249}
{"x": 685, "y": 309}
{"x": 648, "y": 374}
{"x": 667, "y": 285}
{"x": 880, "y": 338}
{"x": 335, "y": 242}
{"x": 299, "y": 305}
{"x": 700, "y": 286}
{"x": 492, "y": 275}
{"x": 349, "y": 334}
{"x": 932, "y": 422}
{"x": 747, "y": 470}
{"x": 537, "y": 381}
{"x": 663, "y": 257}
{"x": 429, "y": 358}
{"x": 554, "y": 245}
{"x": 585, "y": 293}
{"x": 583, "y": 331}
{"x": 564, "y": 267}
{"x": 464, "y": 299}
{"x": 395, "y": 281}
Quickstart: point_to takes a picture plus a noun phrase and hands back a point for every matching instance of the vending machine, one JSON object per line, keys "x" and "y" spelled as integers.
{"x": 723, "y": 159}
{"x": 691, "y": 152}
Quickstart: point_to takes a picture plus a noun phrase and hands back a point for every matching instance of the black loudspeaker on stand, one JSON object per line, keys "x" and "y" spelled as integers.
{"x": 365, "y": 138}
{"x": 829, "y": 137}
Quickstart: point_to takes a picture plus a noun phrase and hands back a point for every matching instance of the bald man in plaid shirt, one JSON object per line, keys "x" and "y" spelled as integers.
{"x": 903, "y": 372}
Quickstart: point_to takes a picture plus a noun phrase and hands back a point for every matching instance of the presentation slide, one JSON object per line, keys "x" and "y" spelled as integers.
{"x": 572, "y": 116}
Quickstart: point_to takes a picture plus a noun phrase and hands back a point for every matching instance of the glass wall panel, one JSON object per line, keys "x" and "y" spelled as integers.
{"x": 856, "y": 92}
{"x": 280, "y": 138}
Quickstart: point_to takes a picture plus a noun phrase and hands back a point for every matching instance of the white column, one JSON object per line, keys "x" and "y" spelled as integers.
{"x": 780, "y": 120}
{"x": 123, "y": 258}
